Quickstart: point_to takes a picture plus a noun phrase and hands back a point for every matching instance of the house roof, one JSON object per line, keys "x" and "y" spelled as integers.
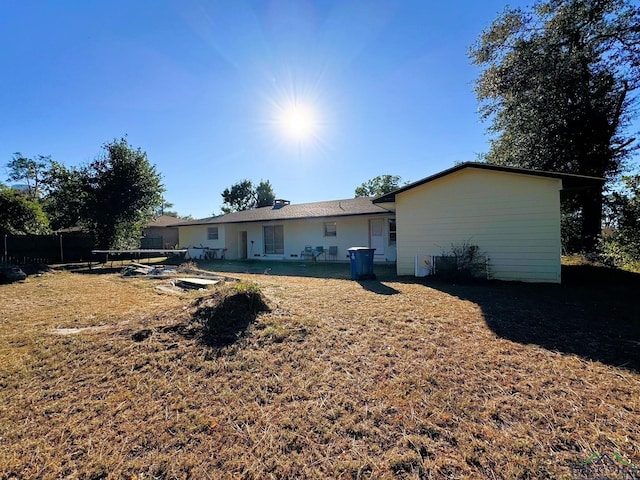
{"x": 164, "y": 221}
{"x": 568, "y": 180}
{"x": 331, "y": 208}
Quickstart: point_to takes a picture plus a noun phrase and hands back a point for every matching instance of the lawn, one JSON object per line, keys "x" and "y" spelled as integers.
{"x": 107, "y": 377}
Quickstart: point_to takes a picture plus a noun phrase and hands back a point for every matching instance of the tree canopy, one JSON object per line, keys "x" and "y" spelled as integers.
{"x": 64, "y": 196}
{"x": 28, "y": 171}
{"x": 122, "y": 192}
{"x": 112, "y": 197}
{"x": 265, "y": 195}
{"x": 380, "y": 185}
{"x": 243, "y": 196}
{"x": 20, "y": 214}
{"x": 621, "y": 240}
{"x": 557, "y": 85}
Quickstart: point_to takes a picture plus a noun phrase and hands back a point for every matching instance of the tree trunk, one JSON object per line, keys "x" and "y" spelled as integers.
{"x": 591, "y": 200}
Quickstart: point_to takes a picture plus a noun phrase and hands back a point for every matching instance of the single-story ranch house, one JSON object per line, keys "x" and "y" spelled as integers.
{"x": 511, "y": 214}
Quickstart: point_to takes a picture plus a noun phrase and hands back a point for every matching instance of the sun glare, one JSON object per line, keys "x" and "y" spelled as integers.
{"x": 297, "y": 119}
{"x": 299, "y": 122}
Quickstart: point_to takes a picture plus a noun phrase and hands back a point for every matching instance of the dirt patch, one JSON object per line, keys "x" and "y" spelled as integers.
{"x": 75, "y": 331}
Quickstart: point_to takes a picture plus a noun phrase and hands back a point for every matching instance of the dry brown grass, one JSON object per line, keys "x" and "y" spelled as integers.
{"x": 393, "y": 380}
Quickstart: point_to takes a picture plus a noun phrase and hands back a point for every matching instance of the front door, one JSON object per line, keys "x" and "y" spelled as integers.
{"x": 376, "y": 235}
{"x": 243, "y": 244}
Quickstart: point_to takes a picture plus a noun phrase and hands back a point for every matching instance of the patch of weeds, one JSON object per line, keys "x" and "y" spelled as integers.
{"x": 276, "y": 332}
{"x": 279, "y": 325}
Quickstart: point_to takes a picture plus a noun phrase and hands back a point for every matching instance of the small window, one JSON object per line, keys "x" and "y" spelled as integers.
{"x": 212, "y": 233}
{"x": 330, "y": 229}
{"x": 392, "y": 231}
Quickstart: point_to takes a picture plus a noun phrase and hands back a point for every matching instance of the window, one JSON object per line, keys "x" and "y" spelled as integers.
{"x": 212, "y": 233}
{"x": 392, "y": 231}
{"x": 330, "y": 229}
{"x": 274, "y": 239}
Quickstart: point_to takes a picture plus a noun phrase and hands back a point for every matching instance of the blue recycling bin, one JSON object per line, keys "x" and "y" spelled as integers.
{"x": 361, "y": 259}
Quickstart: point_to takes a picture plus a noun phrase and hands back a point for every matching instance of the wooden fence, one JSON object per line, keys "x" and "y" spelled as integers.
{"x": 46, "y": 249}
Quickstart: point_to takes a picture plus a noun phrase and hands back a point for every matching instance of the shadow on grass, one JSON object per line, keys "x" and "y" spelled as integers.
{"x": 96, "y": 271}
{"x": 112, "y": 266}
{"x": 595, "y": 313}
{"x": 319, "y": 269}
{"x": 376, "y": 287}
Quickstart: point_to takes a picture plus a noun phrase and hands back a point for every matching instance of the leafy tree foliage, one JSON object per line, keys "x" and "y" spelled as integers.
{"x": 380, "y": 185}
{"x": 621, "y": 240}
{"x": 122, "y": 191}
{"x": 112, "y": 197}
{"x": 265, "y": 195}
{"x": 243, "y": 196}
{"x": 64, "y": 196}
{"x": 20, "y": 214}
{"x": 28, "y": 171}
{"x": 239, "y": 197}
{"x": 557, "y": 85}
{"x": 164, "y": 209}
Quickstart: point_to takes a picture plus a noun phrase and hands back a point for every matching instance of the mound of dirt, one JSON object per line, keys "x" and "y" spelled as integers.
{"x": 226, "y": 314}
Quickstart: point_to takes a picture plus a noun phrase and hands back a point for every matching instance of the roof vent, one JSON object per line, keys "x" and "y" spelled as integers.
{"x": 279, "y": 203}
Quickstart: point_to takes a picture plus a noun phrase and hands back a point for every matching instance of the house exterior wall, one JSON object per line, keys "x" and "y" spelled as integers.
{"x": 514, "y": 219}
{"x": 170, "y": 235}
{"x": 196, "y": 236}
{"x": 350, "y": 232}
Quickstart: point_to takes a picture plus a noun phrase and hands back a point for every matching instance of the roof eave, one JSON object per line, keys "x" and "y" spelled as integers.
{"x": 572, "y": 181}
{"x": 263, "y": 220}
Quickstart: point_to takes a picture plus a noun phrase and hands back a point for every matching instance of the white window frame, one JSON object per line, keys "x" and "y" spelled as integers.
{"x": 273, "y": 234}
{"x": 212, "y": 233}
{"x": 330, "y": 229}
{"x": 393, "y": 233}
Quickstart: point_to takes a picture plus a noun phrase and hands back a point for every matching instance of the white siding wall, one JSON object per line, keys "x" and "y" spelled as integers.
{"x": 196, "y": 235}
{"x": 350, "y": 232}
{"x": 513, "y": 218}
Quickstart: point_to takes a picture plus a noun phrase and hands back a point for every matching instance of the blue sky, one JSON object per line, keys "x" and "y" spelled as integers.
{"x": 200, "y": 85}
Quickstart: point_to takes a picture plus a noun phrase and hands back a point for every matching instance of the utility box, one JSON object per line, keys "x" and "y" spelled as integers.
{"x": 424, "y": 265}
{"x": 361, "y": 259}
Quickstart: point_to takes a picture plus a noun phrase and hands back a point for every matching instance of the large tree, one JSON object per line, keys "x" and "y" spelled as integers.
{"x": 20, "y": 214}
{"x": 264, "y": 193}
{"x": 239, "y": 197}
{"x": 29, "y": 172}
{"x": 557, "y": 85}
{"x": 380, "y": 185}
{"x": 64, "y": 195}
{"x": 243, "y": 196}
{"x": 122, "y": 191}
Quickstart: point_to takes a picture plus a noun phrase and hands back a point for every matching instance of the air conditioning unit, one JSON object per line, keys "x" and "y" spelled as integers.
{"x": 425, "y": 264}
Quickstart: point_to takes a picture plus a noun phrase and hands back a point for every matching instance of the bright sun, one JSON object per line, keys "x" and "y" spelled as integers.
{"x": 299, "y": 122}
